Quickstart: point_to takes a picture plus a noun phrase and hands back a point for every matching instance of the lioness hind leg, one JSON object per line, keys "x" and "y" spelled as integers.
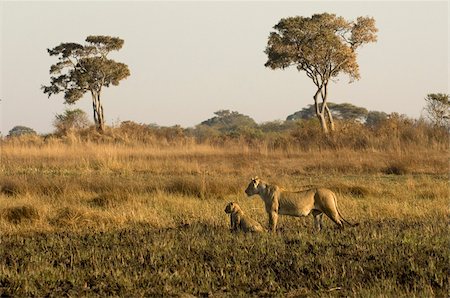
{"x": 334, "y": 216}
{"x": 318, "y": 217}
{"x": 336, "y": 219}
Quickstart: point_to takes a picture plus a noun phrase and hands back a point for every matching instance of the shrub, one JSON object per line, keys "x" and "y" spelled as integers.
{"x": 21, "y": 130}
{"x": 70, "y": 120}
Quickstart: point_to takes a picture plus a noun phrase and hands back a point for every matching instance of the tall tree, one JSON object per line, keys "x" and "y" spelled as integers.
{"x": 86, "y": 68}
{"x": 323, "y": 46}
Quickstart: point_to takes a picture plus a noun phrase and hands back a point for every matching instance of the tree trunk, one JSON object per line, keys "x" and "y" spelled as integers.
{"x": 98, "y": 111}
{"x": 330, "y": 118}
{"x": 325, "y": 109}
{"x": 320, "y": 111}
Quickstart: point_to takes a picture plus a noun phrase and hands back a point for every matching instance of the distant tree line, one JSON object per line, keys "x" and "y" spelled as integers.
{"x": 232, "y": 124}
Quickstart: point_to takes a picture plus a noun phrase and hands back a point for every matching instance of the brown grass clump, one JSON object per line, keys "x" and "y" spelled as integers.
{"x": 20, "y": 214}
{"x": 187, "y": 186}
{"x": 11, "y": 187}
{"x": 68, "y": 216}
{"x": 110, "y": 200}
{"x": 356, "y": 191}
{"x": 396, "y": 168}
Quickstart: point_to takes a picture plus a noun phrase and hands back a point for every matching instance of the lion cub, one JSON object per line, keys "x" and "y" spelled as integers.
{"x": 240, "y": 221}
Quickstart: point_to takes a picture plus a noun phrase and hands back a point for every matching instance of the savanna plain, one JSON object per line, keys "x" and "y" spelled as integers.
{"x": 125, "y": 218}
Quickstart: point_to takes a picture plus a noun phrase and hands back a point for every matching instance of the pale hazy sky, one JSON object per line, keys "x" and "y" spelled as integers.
{"x": 190, "y": 59}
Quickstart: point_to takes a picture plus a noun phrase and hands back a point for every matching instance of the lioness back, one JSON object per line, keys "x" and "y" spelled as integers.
{"x": 300, "y": 203}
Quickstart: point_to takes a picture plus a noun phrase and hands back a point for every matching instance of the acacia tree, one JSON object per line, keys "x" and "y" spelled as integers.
{"x": 323, "y": 46}
{"x": 86, "y": 68}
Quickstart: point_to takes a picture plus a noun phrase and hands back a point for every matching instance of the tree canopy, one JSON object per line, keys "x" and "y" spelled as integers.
{"x": 86, "y": 68}
{"x": 323, "y": 46}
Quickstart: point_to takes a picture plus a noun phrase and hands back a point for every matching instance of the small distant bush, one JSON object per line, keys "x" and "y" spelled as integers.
{"x": 18, "y": 131}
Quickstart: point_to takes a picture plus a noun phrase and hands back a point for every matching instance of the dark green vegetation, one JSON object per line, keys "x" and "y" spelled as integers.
{"x": 386, "y": 257}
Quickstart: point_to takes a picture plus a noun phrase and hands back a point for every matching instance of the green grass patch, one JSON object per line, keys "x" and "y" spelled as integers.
{"x": 385, "y": 258}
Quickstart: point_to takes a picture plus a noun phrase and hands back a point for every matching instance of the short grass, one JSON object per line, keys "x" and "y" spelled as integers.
{"x": 109, "y": 220}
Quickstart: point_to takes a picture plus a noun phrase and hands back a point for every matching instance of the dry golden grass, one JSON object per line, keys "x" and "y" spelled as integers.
{"x": 86, "y": 184}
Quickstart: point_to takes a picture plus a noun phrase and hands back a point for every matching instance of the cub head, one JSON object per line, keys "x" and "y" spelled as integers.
{"x": 229, "y": 208}
{"x": 252, "y": 188}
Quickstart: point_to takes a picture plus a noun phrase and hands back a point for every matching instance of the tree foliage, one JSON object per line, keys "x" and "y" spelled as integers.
{"x": 438, "y": 109}
{"x": 86, "y": 68}
{"x": 323, "y": 46}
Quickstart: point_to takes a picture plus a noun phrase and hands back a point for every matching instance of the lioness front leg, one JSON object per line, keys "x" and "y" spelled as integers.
{"x": 273, "y": 220}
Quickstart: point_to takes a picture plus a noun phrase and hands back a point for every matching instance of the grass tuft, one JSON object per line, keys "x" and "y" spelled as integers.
{"x": 11, "y": 187}
{"x": 356, "y": 191}
{"x": 68, "y": 216}
{"x": 20, "y": 214}
{"x": 186, "y": 186}
{"x": 396, "y": 168}
{"x": 110, "y": 200}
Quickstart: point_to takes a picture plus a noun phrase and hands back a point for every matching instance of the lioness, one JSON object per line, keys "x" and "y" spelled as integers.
{"x": 240, "y": 221}
{"x": 300, "y": 203}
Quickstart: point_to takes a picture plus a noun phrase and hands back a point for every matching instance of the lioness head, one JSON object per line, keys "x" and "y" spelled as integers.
{"x": 252, "y": 188}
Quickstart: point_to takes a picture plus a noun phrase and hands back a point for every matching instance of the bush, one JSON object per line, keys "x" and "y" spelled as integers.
{"x": 70, "y": 120}
{"x": 20, "y": 130}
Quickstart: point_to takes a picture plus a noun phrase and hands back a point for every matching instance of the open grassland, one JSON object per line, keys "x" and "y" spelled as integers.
{"x": 132, "y": 220}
